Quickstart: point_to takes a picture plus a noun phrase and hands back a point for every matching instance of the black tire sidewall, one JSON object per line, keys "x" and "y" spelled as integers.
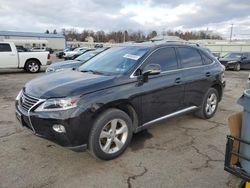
{"x": 29, "y": 62}
{"x": 100, "y": 122}
{"x": 209, "y": 92}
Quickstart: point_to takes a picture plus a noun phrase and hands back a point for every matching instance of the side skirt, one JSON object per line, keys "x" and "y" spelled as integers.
{"x": 151, "y": 123}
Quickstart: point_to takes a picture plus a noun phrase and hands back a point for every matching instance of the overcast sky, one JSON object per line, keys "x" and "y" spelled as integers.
{"x": 146, "y": 15}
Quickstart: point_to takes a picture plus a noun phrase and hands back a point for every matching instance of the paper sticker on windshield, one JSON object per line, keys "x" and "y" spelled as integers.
{"x": 131, "y": 56}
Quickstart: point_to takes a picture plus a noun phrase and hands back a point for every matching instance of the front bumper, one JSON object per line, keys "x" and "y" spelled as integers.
{"x": 41, "y": 125}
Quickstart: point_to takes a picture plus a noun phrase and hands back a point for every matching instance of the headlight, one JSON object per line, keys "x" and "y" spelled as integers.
{"x": 50, "y": 70}
{"x": 58, "y": 104}
{"x": 19, "y": 95}
{"x": 57, "y": 70}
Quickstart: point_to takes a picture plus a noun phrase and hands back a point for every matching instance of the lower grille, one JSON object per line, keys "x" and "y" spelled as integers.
{"x": 27, "y": 101}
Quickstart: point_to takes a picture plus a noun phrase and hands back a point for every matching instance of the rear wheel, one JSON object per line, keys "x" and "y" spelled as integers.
{"x": 237, "y": 67}
{"x": 209, "y": 105}
{"x": 110, "y": 135}
{"x": 32, "y": 66}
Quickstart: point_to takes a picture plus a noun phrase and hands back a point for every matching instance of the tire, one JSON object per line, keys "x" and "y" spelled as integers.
{"x": 209, "y": 104}
{"x": 32, "y": 66}
{"x": 237, "y": 67}
{"x": 106, "y": 148}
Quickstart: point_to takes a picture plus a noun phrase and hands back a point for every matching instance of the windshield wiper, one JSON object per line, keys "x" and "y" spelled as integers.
{"x": 93, "y": 71}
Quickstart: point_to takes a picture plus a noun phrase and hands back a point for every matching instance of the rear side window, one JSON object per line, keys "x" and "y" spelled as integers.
{"x": 5, "y": 48}
{"x": 190, "y": 57}
{"x": 206, "y": 59}
{"x": 165, "y": 57}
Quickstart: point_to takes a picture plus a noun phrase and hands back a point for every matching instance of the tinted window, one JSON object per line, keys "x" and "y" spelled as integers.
{"x": 5, "y": 48}
{"x": 165, "y": 57}
{"x": 190, "y": 57}
{"x": 206, "y": 59}
{"x": 117, "y": 60}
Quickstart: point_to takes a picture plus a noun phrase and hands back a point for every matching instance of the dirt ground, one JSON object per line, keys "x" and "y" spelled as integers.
{"x": 181, "y": 152}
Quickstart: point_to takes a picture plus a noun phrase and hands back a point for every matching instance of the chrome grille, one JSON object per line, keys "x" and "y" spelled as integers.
{"x": 27, "y": 101}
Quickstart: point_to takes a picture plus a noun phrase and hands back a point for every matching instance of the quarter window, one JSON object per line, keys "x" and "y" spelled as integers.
{"x": 5, "y": 48}
{"x": 190, "y": 57}
{"x": 206, "y": 59}
{"x": 165, "y": 57}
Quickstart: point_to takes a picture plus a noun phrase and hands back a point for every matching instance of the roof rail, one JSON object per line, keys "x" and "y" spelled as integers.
{"x": 177, "y": 41}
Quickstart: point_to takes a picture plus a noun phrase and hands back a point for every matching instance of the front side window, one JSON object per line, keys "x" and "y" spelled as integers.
{"x": 5, "y": 48}
{"x": 115, "y": 61}
{"x": 190, "y": 57}
{"x": 165, "y": 57}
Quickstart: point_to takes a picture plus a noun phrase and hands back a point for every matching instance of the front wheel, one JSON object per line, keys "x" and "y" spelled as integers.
{"x": 32, "y": 66}
{"x": 110, "y": 135}
{"x": 237, "y": 67}
{"x": 209, "y": 105}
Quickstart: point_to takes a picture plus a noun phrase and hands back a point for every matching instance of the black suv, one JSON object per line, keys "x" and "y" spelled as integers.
{"x": 236, "y": 60}
{"x": 120, "y": 92}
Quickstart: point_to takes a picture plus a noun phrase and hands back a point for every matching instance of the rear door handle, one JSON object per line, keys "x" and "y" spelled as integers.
{"x": 177, "y": 81}
{"x": 208, "y": 74}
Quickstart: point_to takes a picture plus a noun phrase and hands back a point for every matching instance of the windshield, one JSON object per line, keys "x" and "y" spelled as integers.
{"x": 116, "y": 60}
{"x": 86, "y": 56}
{"x": 233, "y": 55}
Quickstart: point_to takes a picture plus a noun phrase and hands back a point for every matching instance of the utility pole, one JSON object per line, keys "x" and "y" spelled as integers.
{"x": 231, "y": 32}
{"x": 124, "y": 36}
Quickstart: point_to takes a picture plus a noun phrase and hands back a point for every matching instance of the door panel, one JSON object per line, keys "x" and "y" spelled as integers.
{"x": 162, "y": 95}
{"x": 245, "y": 64}
{"x": 195, "y": 76}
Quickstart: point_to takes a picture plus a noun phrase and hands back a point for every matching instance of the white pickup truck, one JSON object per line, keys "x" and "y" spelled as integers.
{"x": 29, "y": 61}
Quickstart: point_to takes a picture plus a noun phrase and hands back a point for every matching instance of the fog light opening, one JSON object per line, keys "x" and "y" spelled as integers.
{"x": 59, "y": 128}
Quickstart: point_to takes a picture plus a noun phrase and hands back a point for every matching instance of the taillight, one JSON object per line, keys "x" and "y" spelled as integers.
{"x": 49, "y": 56}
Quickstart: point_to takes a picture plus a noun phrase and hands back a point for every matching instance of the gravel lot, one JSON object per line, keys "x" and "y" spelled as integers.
{"x": 181, "y": 152}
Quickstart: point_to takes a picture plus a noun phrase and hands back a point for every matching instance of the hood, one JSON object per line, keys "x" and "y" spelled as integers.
{"x": 65, "y": 64}
{"x": 67, "y": 83}
{"x": 228, "y": 59}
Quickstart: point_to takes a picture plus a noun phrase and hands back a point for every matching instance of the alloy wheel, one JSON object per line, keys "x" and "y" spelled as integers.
{"x": 211, "y": 104}
{"x": 113, "y": 136}
{"x": 33, "y": 67}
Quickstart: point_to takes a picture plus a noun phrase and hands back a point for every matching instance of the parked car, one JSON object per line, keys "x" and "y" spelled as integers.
{"x": 29, "y": 61}
{"x": 74, "y": 64}
{"x": 120, "y": 92}
{"x": 50, "y": 50}
{"x": 98, "y": 45}
{"x": 60, "y": 53}
{"x": 79, "y": 54}
{"x": 236, "y": 60}
{"x": 71, "y": 54}
{"x": 38, "y": 49}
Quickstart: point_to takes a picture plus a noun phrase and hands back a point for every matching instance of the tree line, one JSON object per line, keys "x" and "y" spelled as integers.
{"x": 139, "y": 36}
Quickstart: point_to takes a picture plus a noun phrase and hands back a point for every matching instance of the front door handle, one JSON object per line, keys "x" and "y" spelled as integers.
{"x": 177, "y": 81}
{"x": 208, "y": 74}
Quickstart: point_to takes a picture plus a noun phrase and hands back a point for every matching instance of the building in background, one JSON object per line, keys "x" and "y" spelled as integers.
{"x": 29, "y": 40}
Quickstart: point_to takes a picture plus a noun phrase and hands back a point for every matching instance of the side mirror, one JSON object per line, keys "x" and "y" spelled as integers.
{"x": 151, "y": 69}
{"x": 243, "y": 57}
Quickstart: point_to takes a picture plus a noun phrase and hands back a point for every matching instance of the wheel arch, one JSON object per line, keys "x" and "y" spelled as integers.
{"x": 32, "y": 59}
{"x": 123, "y": 105}
{"x": 219, "y": 88}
